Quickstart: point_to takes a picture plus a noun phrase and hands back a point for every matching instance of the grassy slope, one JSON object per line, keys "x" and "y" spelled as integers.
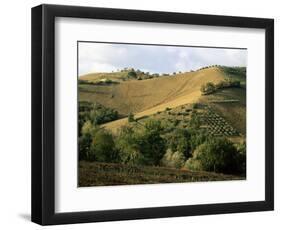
{"x": 147, "y": 97}
{"x": 136, "y": 96}
{"x": 100, "y": 174}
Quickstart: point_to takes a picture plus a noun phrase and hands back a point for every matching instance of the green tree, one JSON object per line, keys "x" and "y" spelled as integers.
{"x": 179, "y": 140}
{"x": 242, "y": 157}
{"x": 217, "y": 155}
{"x": 128, "y": 146}
{"x": 208, "y": 88}
{"x": 173, "y": 159}
{"x": 197, "y": 138}
{"x": 132, "y": 74}
{"x": 87, "y": 128}
{"x": 151, "y": 144}
{"x": 194, "y": 122}
{"x": 103, "y": 147}
{"x": 131, "y": 117}
{"x": 85, "y": 146}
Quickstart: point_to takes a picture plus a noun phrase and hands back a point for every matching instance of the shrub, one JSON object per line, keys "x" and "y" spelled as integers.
{"x": 145, "y": 147}
{"x": 193, "y": 164}
{"x": 131, "y": 117}
{"x": 87, "y": 128}
{"x": 96, "y": 113}
{"x": 217, "y": 155}
{"x": 84, "y": 146}
{"x": 151, "y": 143}
{"x": 179, "y": 140}
{"x": 195, "y": 106}
{"x": 208, "y": 88}
{"x": 235, "y": 83}
{"x": 197, "y": 138}
{"x": 132, "y": 74}
{"x": 103, "y": 147}
{"x": 173, "y": 159}
{"x": 195, "y": 122}
{"x": 127, "y": 145}
{"x": 242, "y": 157}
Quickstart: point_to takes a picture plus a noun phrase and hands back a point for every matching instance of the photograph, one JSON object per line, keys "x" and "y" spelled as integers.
{"x": 147, "y": 113}
{"x": 152, "y": 114}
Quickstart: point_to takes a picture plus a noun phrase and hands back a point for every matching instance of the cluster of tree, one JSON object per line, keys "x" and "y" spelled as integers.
{"x": 104, "y": 81}
{"x": 207, "y": 67}
{"x": 131, "y": 73}
{"x": 84, "y": 82}
{"x": 234, "y": 71}
{"x": 95, "y": 113}
{"x": 145, "y": 147}
{"x": 210, "y": 87}
{"x": 154, "y": 145}
{"x": 218, "y": 155}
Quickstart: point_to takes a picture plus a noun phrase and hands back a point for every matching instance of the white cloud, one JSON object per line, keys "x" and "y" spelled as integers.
{"x": 102, "y": 57}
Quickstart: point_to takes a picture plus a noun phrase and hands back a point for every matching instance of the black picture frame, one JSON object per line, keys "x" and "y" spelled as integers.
{"x": 43, "y": 114}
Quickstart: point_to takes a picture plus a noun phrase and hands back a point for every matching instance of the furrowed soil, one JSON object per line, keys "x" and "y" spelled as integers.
{"x": 102, "y": 174}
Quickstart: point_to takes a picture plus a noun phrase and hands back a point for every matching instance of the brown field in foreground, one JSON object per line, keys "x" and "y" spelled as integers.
{"x": 101, "y": 174}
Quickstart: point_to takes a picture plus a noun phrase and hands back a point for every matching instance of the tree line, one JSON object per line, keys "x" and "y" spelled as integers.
{"x": 155, "y": 143}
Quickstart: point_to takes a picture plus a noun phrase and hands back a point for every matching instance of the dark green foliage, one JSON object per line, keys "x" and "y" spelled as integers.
{"x": 100, "y": 114}
{"x": 208, "y": 88}
{"x": 218, "y": 155}
{"x": 128, "y": 146}
{"x": 131, "y": 117}
{"x": 195, "y": 106}
{"x": 84, "y": 146}
{"x": 99, "y": 82}
{"x": 194, "y": 122}
{"x": 145, "y": 146}
{"x": 103, "y": 147}
{"x": 132, "y": 74}
{"x": 152, "y": 145}
{"x": 179, "y": 140}
{"x": 234, "y": 72}
{"x": 197, "y": 138}
{"x": 83, "y": 82}
{"x": 228, "y": 84}
{"x": 95, "y": 113}
{"x": 242, "y": 157}
{"x": 150, "y": 142}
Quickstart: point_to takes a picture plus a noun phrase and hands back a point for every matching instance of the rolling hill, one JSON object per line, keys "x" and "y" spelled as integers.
{"x": 178, "y": 103}
{"x": 147, "y": 97}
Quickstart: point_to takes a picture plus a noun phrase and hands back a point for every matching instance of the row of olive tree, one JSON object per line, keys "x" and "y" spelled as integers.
{"x": 211, "y": 87}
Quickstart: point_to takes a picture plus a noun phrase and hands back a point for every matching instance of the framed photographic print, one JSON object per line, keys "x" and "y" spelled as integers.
{"x": 142, "y": 114}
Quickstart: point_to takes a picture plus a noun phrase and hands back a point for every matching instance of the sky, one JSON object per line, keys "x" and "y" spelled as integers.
{"x": 104, "y": 57}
